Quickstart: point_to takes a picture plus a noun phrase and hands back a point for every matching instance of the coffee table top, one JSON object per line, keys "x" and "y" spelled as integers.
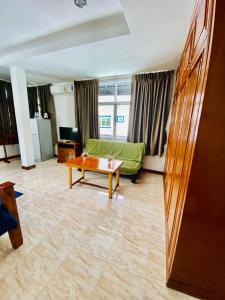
{"x": 95, "y": 164}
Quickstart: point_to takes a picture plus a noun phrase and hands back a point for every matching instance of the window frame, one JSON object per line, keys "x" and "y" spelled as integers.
{"x": 115, "y": 104}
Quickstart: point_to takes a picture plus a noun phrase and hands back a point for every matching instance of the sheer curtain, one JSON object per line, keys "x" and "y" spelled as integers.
{"x": 86, "y": 108}
{"x": 150, "y": 107}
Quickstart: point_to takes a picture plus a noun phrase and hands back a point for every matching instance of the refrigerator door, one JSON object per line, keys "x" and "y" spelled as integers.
{"x": 45, "y": 137}
{"x": 36, "y": 147}
{"x": 34, "y": 126}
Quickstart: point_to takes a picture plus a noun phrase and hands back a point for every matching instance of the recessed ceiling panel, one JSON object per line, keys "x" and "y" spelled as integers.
{"x": 23, "y": 20}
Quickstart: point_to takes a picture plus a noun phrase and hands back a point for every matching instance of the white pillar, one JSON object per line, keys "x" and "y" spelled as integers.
{"x": 19, "y": 87}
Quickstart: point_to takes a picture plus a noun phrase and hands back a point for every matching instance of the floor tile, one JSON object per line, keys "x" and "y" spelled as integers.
{"x": 78, "y": 244}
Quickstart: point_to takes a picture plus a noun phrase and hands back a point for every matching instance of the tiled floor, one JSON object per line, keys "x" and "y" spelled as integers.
{"x": 80, "y": 245}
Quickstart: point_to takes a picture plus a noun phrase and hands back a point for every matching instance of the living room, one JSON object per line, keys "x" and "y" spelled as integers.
{"x": 111, "y": 126}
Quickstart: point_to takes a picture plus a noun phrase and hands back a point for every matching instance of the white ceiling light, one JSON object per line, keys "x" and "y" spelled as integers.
{"x": 80, "y": 3}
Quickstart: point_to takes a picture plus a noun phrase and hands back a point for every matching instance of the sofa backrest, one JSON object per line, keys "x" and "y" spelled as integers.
{"x": 119, "y": 150}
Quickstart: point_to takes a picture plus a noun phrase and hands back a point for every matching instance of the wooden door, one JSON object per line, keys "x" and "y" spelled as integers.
{"x": 169, "y": 150}
{"x": 201, "y": 26}
{"x": 174, "y": 136}
{"x": 189, "y": 102}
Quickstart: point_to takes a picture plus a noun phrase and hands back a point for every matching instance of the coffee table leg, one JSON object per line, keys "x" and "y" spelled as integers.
{"x": 118, "y": 178}
{"x": 110, "y": 185}
{"x": 70, "y": 177}
{"x": 83, "y": 173}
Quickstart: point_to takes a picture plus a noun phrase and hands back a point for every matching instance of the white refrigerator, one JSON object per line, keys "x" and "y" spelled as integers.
{"x": 42, "y": 139}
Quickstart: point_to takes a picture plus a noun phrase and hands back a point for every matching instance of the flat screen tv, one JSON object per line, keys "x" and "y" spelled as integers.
{"x": 69, "y": 134}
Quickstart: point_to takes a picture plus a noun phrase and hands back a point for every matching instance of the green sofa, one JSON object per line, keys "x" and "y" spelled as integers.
{"x": 131, "y": 153}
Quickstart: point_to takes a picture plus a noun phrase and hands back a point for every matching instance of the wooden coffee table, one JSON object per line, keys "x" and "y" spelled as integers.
{"x": 96, "y": 164}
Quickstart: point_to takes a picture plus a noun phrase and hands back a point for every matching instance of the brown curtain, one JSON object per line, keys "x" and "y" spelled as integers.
{"x": 8, "y": 128}
{"x": 44, "y": 94}
{"x": 150, "y": 107}
{"x": 86, "y": 108}
{"x": 32, "y": 100}
{"x": 5, "y": 127}
{"x": 48, "y": 106}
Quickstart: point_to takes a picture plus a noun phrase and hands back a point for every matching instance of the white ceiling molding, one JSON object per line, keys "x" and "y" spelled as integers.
{"x": 25, "y": 20}
{"x": 93, "y": 31}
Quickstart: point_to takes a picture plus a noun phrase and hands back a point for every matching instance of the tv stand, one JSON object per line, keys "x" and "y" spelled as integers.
{"x": 68, "y": 150}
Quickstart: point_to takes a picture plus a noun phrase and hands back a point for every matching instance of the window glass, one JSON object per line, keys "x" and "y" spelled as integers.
{"x": 106, "y": 98}
{"x": 122, "y": 120}
{"x": 114, "y": 108}
{"x": 106, "y": 116}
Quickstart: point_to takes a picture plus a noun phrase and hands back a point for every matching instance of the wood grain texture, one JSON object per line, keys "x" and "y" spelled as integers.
{"x": 10, "y": 157}
{"x": 8, "y": 198}
{"x": 68, "y": 150}
{"x": 28, "y": 167}
{"x": 195, "y": 164}
{"x": 96, "y": 164}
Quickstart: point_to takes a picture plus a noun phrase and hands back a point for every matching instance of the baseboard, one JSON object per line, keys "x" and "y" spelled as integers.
{"x": 10, "y": 157}
{"x": 192, "y": 290}
{"x": 29, "y": 167}
{"x": 152, "y": 171}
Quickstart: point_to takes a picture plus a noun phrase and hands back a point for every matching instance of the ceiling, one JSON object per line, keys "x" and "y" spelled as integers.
{"x": 57, "y": 41}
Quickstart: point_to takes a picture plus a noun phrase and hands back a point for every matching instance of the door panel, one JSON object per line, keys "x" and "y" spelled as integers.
{"x": 189, "y": 100}
{"x": 173, "y": 146}
{"x": 168, "y": 152}
{"x": 201, "y": 26}
{"x": 190, "y": 147}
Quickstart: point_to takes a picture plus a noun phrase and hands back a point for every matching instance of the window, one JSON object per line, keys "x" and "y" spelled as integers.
{"x": 114, "y": 108}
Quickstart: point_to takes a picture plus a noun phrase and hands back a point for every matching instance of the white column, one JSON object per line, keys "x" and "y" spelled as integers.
{"x": 19, "y": 87}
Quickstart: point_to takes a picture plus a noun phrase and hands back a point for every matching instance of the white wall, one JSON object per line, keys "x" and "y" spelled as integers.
{"x": 11, "y": 150}
{"x": 65, "y": 110}
{"x": 154, "y": 163}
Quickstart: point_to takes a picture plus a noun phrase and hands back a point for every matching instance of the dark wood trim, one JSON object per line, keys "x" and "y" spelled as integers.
{"x": 152, "y": 171}
{"x": 91, "y": 184}
{"x": 78, "y": 180}
{"x": 10, "y": 157}
{"x": 68, "y": 150}
{"x": 94, "y": 185}
{"x": 191, "y": 290}
{"x": 29, "y": 167}
{"x": 9, "y": 200}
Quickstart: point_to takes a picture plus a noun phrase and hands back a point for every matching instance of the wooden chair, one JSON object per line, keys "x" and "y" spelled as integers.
{"x": 9, "y": 201}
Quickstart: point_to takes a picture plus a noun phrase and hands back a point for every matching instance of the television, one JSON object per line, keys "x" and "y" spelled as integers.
{"x": 69, "y": 134}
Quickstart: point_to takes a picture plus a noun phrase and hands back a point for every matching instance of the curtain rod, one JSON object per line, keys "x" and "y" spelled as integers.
{"x": 35, "y": 85}
{"x": 120, "y": 76}
{"x": 130, "y": 75}
{"x": 5, "y": 80}
{"x": 28, "y": 84}
{"x": 100, "y": 78}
